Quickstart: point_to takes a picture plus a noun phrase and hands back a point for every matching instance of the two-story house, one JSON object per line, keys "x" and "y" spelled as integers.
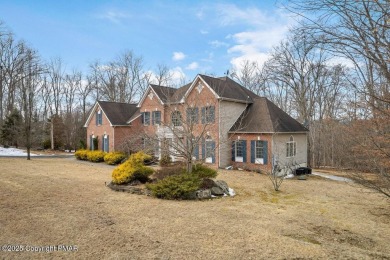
{"x": 108, "y": 128}
{"x": 230, "y": 124}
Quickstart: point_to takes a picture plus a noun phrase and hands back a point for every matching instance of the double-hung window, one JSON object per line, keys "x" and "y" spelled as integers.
{"x": 156, "y": 117}
{"x": 145, "y": 118}
{"x": 291, "y": 147}
{"x": 176, "y": 118}
{"x": 192, "y": 115}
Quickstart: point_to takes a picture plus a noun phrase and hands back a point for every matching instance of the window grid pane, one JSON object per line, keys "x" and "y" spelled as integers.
{"x": 259, "y": 149}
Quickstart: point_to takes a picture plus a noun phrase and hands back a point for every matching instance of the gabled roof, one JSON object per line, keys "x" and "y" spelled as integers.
{"x": 164, "y": 93}
{"x": 263, "y": 116}
{"x": 226, "y": 88}
{"x": 117, "y": 113}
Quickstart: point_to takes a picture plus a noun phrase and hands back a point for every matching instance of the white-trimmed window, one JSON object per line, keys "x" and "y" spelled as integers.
{"x": 259, "y": 152}
{"x": 209, "y": 150}
{"x": 239, "y": 152}
{"x": 176, "y": 118}
{"x": 145, "y": 118}
{"x": 291, "y": 147}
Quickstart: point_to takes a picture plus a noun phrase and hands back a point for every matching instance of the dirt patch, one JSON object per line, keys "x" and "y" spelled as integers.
{"x": 61, "y": 201}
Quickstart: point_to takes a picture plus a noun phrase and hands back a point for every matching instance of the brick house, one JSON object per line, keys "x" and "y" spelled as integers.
{"x": 108, "y": 125}
{"x": 237, "y": 127}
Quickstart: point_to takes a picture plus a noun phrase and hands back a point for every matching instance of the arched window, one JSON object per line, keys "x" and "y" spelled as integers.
{"x": 176, "y": 118}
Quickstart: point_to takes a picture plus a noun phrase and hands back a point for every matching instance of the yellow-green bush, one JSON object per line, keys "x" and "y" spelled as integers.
{"x": 132, "y": 169}
{"x": 203, "y": 171}
{"x": 81, "y": 154}
{"x": 114, "y": 158}
{"x": 96, "y": 156}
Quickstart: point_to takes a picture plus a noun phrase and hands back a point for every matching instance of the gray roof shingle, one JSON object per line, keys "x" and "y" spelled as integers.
{"x": 263, "y": 116}
{"x": 118, "y": 113}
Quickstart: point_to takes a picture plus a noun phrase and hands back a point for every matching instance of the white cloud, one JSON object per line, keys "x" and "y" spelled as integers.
{"x": 217, "y": 44}
{"x": 177, "y": 75}
{"x": 113, "y": 16}
{"x": 229, "y": 14}
{"x": 192, "y": 66}
{"x": 203, "y": 32}
{"x": 264, "y": 31}
{"x": 178, "y": 56}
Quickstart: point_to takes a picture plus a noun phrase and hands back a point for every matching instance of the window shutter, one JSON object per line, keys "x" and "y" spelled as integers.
{"x": 97, "y": 118}
{"x": 90, "y": 143}
{"x": 108, "y": 143}
{"x": 244, "y": 150}
{"x": 265, "y": 152}
{"x": 188, "y": 114}
{"x": 101, "y": 118}
{"x": 196, "y": 151}
{"x": 153, "y": 117}
{"x": 213, "y": 152}
{"x": 196, "y": 115}
{"x": 253, "y": 151}
{"x": 233, "y": 151}
{"x": 142, "y": 117}
{"x": 203, "y": 149}
{"x": 203, "y": 115}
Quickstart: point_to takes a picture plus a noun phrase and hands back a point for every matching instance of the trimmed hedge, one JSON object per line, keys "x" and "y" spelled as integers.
{"x": 81, "y": 154}
{"x": 132, "y": 169}
{"x": 114, "y": 158}
{"x": 96, "y": 156}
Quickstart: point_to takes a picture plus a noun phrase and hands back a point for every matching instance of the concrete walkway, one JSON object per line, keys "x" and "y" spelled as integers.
{"x": 332, "y": 177}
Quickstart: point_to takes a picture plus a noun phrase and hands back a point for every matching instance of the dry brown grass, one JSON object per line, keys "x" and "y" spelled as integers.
{"x": 65, "y": 202}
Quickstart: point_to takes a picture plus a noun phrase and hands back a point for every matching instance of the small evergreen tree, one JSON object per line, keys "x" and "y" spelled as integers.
{"x": 11, "y": 130}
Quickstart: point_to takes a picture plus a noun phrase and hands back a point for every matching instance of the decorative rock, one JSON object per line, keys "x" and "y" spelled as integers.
{"x": 223, "y": 185}
{"x": 217, "y": 191}
{"x": 135, "y": 183}
{"x": 203, "y": 194}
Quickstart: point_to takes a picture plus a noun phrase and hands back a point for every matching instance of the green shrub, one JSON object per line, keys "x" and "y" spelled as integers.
{"x": 81, "y": 154}
{"x": 142, "y": 174}
{"x": 114, "y": 158}
{"x": 203, "y": 171}
{"x": 46, "y": 144}
{"x": 95, "y": 156}
{"x": 132, "y": 169}
{"x": 169, "y": 171}
{"x": 165, "y": 160}
{"x": 176, "y": 186}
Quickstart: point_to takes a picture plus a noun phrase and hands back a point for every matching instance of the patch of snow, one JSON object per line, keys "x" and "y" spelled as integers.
{"x": 332, "y": 177}
{"x": 231, "y": 192}
{"x": 13, "y": 152}
{"x": 229, "y": 168}
{"x": 289, "y": 176}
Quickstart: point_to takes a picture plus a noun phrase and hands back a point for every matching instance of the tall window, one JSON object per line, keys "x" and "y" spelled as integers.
{"x": 208, "y": 115}
{"x": 192, "y": 115}
{"x": 176, "y": 118}
{"x": 145, "y": 118}
{"x": 291, "y": 147}
{"x": 239, "y": 151}
{"x": 99, "y": 117}
{"x": 156, "y": 117}
{"x": 259, "y": 150}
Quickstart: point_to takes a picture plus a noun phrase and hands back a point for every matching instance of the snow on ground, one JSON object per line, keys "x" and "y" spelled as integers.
{"x": 13, "y": 152}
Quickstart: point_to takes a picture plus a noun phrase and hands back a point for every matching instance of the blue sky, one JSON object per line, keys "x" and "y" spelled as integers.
{"x": 190, "y": 37}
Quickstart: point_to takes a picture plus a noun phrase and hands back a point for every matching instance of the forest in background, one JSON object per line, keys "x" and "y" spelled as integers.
{"x": 331, "y": 73}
